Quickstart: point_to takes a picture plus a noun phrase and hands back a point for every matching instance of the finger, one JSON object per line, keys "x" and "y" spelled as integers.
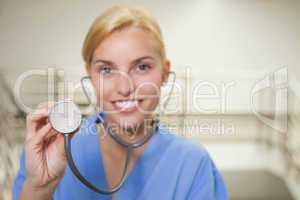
{"x": 41, "y": 134}
{"x": 41, "y": 110}
{"x": 37, "y": 136}
{"x": 40, "y": 113}
{"x": 50, "y": 138}
{"x": 32, "y": 120}
{"x": 45, "y": 133}
{"x": 37, "y": 114}
{"x": 51, "y": 133}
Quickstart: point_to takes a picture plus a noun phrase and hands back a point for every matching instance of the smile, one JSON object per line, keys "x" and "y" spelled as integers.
{"x": 126, "y": 105}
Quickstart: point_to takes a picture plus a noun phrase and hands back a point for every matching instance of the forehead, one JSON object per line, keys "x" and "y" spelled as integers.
{"x": 127, "y": 44}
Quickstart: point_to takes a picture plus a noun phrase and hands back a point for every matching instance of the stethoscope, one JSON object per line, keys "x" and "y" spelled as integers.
{"x": 65, "y": 117}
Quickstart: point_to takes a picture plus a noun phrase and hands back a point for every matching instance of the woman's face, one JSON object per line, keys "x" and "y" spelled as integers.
{"x": 127, "y": 73}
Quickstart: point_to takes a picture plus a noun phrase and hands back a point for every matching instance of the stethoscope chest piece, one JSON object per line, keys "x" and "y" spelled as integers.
{"x": 65, "y": 117}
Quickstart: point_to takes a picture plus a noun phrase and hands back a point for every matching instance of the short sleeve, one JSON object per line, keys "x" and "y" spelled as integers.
{"x": 20, "y": 178}
{"x": 208, "y": 183}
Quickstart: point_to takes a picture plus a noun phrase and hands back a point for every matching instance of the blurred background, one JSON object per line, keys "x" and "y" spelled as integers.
{"x": 237, "y": 90}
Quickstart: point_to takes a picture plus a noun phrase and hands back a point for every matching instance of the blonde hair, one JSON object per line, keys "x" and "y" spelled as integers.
{"x": 118, "y": 18}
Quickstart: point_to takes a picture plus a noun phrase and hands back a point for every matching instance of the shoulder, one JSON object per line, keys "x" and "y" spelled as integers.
{"x": 198, "y": 171}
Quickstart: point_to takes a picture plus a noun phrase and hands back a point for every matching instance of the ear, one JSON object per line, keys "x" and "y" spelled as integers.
{"x": 166, "y": 69}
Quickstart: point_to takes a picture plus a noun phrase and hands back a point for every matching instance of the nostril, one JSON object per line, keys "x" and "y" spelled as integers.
{"x": 125, "y": 85}
{"x": 124, "y": 89}
{"x": 125, "y": 92}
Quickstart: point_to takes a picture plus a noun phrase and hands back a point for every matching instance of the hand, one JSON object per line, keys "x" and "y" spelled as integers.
{"x": 45, "y": 159}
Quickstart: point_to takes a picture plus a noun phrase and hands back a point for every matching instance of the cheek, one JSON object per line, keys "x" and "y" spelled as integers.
{"x": 102, "y": 89}
{"x": 149, "y": 84}
{"x": 148, "y": 87}
{"x": 149, "y": 90}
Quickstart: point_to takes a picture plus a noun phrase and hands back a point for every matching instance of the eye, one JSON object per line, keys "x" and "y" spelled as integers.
{"x": 143, "y": 67}
{"x": 105, "y": 70}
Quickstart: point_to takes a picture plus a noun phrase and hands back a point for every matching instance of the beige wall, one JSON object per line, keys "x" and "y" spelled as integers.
{"x": 207, "y": 35}
{"x": 227, "y": 41}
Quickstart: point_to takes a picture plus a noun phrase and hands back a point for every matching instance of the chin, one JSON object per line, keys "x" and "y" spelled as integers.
{"x": 127, "y": 121}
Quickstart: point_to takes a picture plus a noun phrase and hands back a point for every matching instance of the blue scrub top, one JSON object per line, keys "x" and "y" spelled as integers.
{"x": 170, "y": 168}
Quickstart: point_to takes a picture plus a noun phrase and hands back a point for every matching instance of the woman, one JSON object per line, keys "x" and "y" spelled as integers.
{"x": 125, "y": 58}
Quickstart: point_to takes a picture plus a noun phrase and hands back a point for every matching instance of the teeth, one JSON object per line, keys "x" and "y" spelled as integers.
{"x": 126, "y": 104}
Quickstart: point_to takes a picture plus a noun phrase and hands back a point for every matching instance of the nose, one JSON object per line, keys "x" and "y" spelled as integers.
{"x": 125, "y": 85}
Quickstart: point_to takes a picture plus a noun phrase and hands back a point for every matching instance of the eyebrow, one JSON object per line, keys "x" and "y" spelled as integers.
{"x": 132, "y": 63}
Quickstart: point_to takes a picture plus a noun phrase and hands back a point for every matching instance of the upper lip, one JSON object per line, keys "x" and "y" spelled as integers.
{"x": 126, "y": 100}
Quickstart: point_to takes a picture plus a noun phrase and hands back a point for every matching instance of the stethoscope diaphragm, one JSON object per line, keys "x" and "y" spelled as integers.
{"x": 65, "y": 117}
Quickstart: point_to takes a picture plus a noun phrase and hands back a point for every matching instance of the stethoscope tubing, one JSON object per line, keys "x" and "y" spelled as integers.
{"x": 128, "y": 146}
{"x": 74, "y": 169}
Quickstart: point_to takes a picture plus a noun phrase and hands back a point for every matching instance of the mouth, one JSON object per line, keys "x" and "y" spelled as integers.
{"x": 127, "y": 106}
